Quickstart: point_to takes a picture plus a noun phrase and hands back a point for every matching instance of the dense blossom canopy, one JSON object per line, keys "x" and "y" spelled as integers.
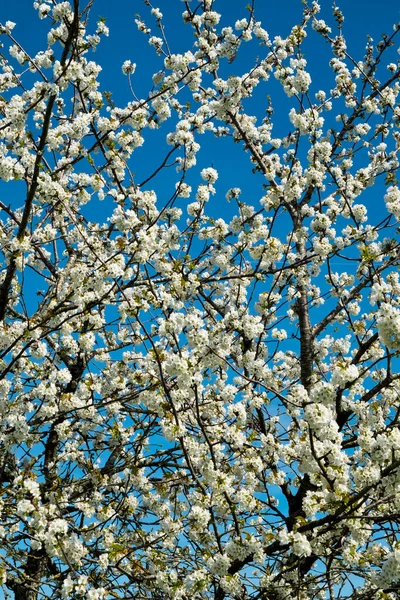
{"x": 199, "y": 391}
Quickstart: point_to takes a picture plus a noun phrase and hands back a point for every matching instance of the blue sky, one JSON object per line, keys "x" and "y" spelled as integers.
{"x": 362, "y": 17}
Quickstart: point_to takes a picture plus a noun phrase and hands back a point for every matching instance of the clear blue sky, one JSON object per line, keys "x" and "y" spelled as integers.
{"x": 362, "y": 17}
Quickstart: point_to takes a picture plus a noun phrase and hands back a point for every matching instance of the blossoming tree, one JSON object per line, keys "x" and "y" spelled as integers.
{"x": 195, "y": 405}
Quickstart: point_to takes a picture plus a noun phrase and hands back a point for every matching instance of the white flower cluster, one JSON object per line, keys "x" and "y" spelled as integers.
{"x": 390, "y": 572}
{"x": 388, "y": 321}
{"x": 128, "y": 67}
{"x": 298, "y": 542}
{"x": 320, "y": 418}
{"x": 392, "y": 200}
{"x": 219, "y": 564}
{"x": 209, "y": 174}
{"x": 308, "y": 121}
{"x": 343, "y": 373}
{"x": 200, "y": 515}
